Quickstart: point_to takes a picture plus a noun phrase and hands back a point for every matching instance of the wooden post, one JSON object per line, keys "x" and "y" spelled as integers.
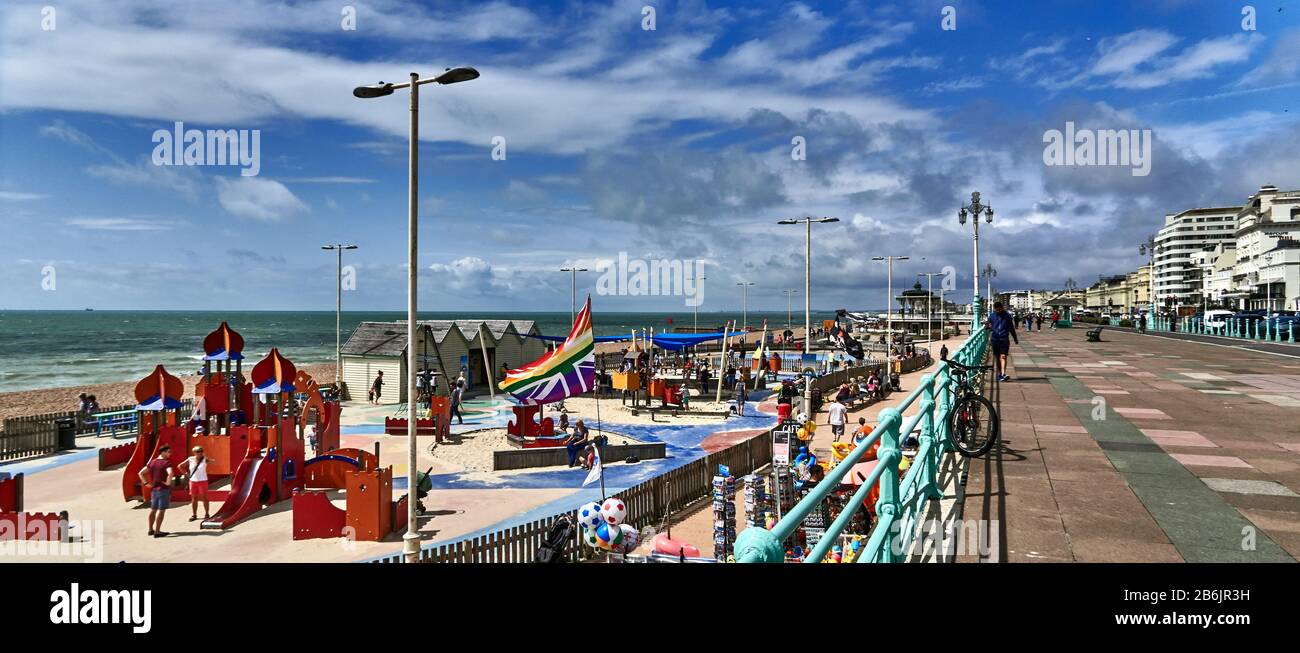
{"x": 491, "y": 376}
{"x": 722, "y": 358}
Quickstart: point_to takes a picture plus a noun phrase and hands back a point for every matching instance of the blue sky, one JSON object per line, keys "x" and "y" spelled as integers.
{"x": 665, "y": 143}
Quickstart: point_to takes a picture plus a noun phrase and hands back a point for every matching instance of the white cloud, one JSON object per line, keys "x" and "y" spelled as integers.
{"x": 120, "y": 224}
{"x": 13, "y": 196}
{"x": 182, "y": 179}
{"x": 258, "y": 199}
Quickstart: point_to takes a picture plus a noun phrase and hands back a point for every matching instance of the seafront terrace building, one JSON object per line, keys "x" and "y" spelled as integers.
{"x": 1265, "y": 275}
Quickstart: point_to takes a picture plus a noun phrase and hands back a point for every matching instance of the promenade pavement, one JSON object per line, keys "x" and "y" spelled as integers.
{"x": 1141, "y": 448}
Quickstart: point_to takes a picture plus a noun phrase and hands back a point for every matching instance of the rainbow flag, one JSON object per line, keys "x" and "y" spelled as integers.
{"x": 567, "y": 370}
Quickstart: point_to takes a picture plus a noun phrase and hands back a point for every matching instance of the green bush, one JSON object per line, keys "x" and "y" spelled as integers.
{"x": 1126, "y": 323}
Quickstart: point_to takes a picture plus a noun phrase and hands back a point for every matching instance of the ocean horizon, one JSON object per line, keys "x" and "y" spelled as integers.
{"x": 58, "y": 348}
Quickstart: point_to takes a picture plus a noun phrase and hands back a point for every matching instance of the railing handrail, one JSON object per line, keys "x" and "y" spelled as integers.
{"x": 899, "y": 498}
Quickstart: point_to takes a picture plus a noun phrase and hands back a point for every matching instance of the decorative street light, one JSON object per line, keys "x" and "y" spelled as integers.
{"x": 889, "y": 295}
{"x": 989, "y": 273}
{"x": 573, "y": 312}
{"x": 1150, "y": 248}
{"x": 411, "y": 540}
{"x": 807, "y": 291}
{"x": 974, "y": 209}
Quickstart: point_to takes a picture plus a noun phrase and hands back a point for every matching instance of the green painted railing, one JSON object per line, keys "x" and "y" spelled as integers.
{"x": 901, "y": 502}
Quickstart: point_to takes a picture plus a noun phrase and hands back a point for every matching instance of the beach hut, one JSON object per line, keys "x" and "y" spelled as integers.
{"x": 376, "y": 346}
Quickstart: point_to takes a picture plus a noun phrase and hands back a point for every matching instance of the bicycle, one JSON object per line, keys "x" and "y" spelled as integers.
{"x": 974, "y": 425}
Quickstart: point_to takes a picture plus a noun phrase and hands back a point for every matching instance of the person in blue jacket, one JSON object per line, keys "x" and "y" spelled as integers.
{"x": 1002, "y": 330}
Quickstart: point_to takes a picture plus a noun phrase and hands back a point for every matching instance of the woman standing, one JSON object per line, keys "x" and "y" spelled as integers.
{"x": 196, "y": 467}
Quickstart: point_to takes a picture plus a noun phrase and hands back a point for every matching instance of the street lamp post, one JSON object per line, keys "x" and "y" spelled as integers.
{"x": 573, "y": 312}
{"x": 989, "y": 273}
{"x": 974, "y": 209}
{"x": 744, "y": 303}
{"x": 929, "y": 293}
{"x": 338, "y": 315}
{"x": 889, "y": 297}
{"x": 411, "y": 540}
{"x": 1149, "y": 248}
{"x": 807, "y": 292}
{"x": 697, "y": 312}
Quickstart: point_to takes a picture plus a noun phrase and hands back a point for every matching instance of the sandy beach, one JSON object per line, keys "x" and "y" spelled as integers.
{"x": 473, "y": 451}
{"x": 109, "y": 395}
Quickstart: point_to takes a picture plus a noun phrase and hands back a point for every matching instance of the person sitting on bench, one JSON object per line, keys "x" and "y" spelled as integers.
{"x": 577, "y": 442}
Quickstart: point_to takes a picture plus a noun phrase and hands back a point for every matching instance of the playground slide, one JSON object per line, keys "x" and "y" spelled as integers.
{"x": 253, "y": 479}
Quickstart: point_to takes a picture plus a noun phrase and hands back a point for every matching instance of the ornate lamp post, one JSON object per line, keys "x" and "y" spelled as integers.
{"x": 1149, "y": 248}
{"x": 974, "y": 209}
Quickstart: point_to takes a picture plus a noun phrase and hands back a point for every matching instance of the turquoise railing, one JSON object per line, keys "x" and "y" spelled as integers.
{"x": 901, "y": 501}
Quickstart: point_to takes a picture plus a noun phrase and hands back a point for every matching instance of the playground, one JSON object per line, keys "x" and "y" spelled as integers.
{"x": 297, "y": 475}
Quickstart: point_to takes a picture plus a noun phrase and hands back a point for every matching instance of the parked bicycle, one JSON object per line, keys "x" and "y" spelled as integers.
{"x": 974, "y": 424}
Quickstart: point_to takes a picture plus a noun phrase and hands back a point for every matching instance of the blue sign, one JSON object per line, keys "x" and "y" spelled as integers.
{"x": 723, "y": 470}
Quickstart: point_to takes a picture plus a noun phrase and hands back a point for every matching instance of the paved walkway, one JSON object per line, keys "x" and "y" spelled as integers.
{"x": 1142, "y": 449}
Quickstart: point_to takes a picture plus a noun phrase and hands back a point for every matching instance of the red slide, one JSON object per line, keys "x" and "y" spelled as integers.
{"x": 251, "y": 488}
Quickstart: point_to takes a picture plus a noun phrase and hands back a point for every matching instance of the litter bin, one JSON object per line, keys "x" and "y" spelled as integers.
{"x": 67, "y": 427}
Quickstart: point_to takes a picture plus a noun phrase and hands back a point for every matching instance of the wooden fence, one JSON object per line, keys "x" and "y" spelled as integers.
{"x": 35, "y": 435}
{"x": 647, "y": 505}
{"x": 24, "y": 437}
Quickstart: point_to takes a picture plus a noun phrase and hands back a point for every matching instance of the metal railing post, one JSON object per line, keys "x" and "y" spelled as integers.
{"x": 888, "y": 507}
{"x": 930, "y": 474}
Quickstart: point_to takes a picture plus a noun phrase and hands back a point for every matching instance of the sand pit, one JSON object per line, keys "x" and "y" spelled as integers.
{"x": 473, "y": 451}
{"x": 613, "y": 411}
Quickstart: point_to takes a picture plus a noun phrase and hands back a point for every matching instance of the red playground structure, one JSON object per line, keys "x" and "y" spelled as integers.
{"x": 260, "y": 445}
{"x": 272, "y": 466}
{"x": 17, "y": 524}
{"x": 371, "y": 514}
{"x": 529, "y": 432}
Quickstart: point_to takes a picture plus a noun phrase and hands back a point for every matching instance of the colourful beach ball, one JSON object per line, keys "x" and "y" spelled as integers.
{"x": 608, "y": 535}
{"x": 589, "y": 536}
{"x": 613, "y": 510}
{"x": 631, "y": 538}
{"x": 589, "y": 515}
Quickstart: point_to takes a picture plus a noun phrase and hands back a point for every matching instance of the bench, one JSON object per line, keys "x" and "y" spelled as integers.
{"x": 112, "y": 420}
{"x": 1094, "y": 335}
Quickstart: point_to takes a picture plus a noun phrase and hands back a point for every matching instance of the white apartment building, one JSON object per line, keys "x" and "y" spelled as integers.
{"x": 1266, "y": 274}
{"x": 1185, "y": 234}
{"x": 1216, "y": 266}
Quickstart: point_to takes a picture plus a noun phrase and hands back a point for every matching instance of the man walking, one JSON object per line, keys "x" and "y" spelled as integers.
{"x": 741, "y": 396}
{"x": 836, "y": 413}
{"x": 156, "y": 484}
{"x": 377, "y": 387}
{"x": 456, "y": 396}
{"x": 1002, "y": 330}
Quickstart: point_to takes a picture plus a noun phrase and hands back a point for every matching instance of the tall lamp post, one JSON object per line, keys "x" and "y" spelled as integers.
{"x": 697, "y": 310}
{"x": 411, "y": 540}
{"x": 1149, "y": 248}
{"x": 889, "y": 296}
{"x": 789, "y": 306}
{"x": 744, "y": 303}
{"x": 929, "y": 293}
{"x": 338, "y": 315}
{"x": 989, "y": 273}
{"x": 974, "y": 209}
{"x": 573, "y": 312}
{"x": 807, "y": 291}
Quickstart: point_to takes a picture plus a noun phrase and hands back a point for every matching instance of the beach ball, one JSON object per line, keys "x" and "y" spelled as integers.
{"x": 613, "y": 511}
{"x": 631, "y": 537}
{"x": 802, "y": 434}
{"x": 589, "y": 536}
{"x": 608, "y": 536}
{"x": 589, "y": 515}
{"x": 811, "y": 426}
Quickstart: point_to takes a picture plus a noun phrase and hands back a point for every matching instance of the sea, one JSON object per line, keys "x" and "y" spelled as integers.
{"x": 50, "y": 349}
